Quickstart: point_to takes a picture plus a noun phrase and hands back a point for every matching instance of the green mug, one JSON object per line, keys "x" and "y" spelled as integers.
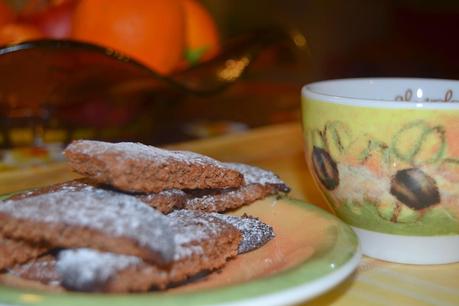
{"x": 385, "y": 154}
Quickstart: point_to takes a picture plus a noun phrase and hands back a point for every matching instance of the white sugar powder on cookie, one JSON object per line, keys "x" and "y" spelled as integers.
{"x": 109, "y": 212}
{"x": 132, "y": 150}
{"x": 83, "y": 268}
{"x": 255, "y": 175}
{"x": 191, "y": 228}
{"x": 254, "y": 232}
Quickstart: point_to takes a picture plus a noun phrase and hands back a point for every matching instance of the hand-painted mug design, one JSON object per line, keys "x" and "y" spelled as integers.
{"x": 407, "y": 193}
{"x": 388, "y": 163}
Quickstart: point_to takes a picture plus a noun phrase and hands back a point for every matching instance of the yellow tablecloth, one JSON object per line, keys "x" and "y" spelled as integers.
{"x": 280, "y": 148}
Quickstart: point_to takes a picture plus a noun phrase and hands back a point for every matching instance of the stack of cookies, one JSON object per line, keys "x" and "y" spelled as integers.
{"x": 142, "y": 218}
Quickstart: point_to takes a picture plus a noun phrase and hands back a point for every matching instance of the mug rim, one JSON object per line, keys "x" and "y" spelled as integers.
{"x": 308, "y": 91}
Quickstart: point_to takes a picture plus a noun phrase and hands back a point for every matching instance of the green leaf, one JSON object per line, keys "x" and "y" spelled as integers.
{"x": 192, "y": 56}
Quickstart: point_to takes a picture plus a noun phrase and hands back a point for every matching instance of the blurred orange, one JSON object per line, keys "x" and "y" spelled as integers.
{"x": 202, "y": 40}
{"x": 151, "y": 31}
{"x": 6, "y": 14}
{"x": 14, "y": 33}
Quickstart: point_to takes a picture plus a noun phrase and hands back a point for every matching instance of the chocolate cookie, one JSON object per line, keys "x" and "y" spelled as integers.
{"x": 259, "y": 183}
{"x": 92, "y": 218}
{"x": 164, "y": 201}
{"x": 204, "y": 243}
{"x": 204, "y": 246}
{"x": 15, "y": 252}
{"x": 135, "y": 167}
{"x": 42, "y": 269}
{"x": 255, "y": 233}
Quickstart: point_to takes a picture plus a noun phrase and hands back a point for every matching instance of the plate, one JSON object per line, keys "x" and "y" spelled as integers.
{"x": 313, "y": 251}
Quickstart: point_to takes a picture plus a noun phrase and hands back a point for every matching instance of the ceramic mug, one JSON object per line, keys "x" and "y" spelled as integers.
{"x": 385, "y": 153}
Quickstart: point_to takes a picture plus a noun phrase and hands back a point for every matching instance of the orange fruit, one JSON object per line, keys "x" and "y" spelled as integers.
{"x": 150, "y": 31}
{"x": 14, "y": 33}
{"x": 202, "y": 40}
{"x": 6, "y": 14}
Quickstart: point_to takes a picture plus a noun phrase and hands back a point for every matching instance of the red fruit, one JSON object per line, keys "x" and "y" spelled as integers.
{"x": 6, "y": 14}
{"x": 55, "y": 21}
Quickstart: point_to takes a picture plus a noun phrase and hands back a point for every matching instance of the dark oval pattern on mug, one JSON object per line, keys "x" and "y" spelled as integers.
{"x": 415, "y": 189}
{"x": 325, "y": 168}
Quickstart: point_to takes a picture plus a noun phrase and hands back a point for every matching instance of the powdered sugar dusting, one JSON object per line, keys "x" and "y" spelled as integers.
{"x": 164, "y": 201}
{"x": 254, "y": 232}
{"x": 173, "y": 196}
{"x": 131, "y": 150}
{"x": 172, "y": 192}
{"x": 191, "y": 229}
{"x": 215, "y": 200}
{"x": 255, "y": 175}
{"x": 42, "y": 269}
{"x": 109, "y": 212}
{"x": 88, "y": 270}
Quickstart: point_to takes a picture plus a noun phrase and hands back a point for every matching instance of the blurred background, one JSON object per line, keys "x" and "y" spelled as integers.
{"x": 320, "y": 39}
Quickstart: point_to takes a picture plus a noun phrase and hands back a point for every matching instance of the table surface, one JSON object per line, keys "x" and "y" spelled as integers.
{"x": 280, "y": 149}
